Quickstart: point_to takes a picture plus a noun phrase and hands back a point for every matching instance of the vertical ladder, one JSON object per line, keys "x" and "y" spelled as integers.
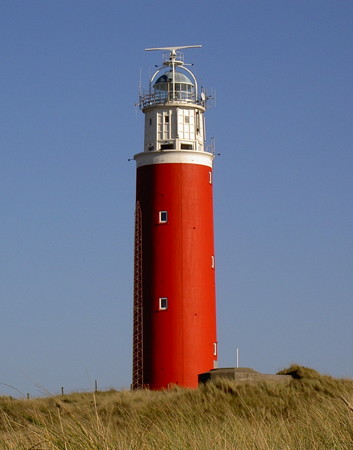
{"x": 137, "y": 365}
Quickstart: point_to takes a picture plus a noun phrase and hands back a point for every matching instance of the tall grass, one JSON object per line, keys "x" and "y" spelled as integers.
{"x": 311, "y": 412}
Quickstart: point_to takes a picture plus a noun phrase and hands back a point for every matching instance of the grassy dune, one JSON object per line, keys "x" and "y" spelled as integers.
{"x": 312, "y": 412}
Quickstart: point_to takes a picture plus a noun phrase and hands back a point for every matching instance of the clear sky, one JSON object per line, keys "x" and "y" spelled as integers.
{"x": 69, "y": 77}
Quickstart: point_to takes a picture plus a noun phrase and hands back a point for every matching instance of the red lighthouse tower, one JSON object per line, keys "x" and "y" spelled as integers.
{"x": 174, "y": 279}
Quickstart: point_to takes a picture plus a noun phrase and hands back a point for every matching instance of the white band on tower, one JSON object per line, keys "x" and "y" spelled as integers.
{"x": 174, "y": 157}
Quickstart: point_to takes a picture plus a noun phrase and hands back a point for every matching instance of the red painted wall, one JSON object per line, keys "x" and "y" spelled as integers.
{"x": 177, "y": 264}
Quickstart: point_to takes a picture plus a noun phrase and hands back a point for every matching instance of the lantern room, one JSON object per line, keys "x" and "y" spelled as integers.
{"x": 174, "y": 86}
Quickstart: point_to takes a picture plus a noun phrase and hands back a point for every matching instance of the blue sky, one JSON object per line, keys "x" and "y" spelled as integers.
{"x": 69, "y": 81}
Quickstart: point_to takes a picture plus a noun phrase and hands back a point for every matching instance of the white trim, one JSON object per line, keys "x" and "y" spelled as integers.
{"x": 174, "y": 157}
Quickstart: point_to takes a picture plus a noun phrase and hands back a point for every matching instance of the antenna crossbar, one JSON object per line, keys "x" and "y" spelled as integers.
{"x": 173, "y": 49}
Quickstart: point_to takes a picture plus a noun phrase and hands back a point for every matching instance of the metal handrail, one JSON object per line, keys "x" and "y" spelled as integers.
{"x": 158, "y": 98}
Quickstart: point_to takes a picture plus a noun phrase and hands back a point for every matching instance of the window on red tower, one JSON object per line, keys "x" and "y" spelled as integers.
{"x": 163, "y": 216}
{"x": 163, "y": 303}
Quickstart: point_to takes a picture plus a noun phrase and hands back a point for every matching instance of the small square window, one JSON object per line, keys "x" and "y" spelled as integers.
{"x": 163, "y": 303}
{"x": 187, "y": 119}
{"x": 166, "y": 119}
{"x": 186, "y": 146}
{"x": 163, "y": 216}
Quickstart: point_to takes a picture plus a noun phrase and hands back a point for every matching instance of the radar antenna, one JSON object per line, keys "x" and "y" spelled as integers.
{"x": 173, "y": 55}
{"x": 173, "y": 49}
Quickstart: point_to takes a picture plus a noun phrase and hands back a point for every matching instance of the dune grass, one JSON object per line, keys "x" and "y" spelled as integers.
{"x": 311, "y": 412}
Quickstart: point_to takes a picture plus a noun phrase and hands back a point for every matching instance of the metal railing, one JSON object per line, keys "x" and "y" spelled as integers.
{"x": 164, "y": 97}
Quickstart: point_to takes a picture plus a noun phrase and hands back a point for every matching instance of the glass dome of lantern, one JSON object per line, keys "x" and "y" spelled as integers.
{"x": 174, "y": 86}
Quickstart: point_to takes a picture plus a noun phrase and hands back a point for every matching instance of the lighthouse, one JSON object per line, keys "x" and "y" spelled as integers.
{"x": 174, "y": 318}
